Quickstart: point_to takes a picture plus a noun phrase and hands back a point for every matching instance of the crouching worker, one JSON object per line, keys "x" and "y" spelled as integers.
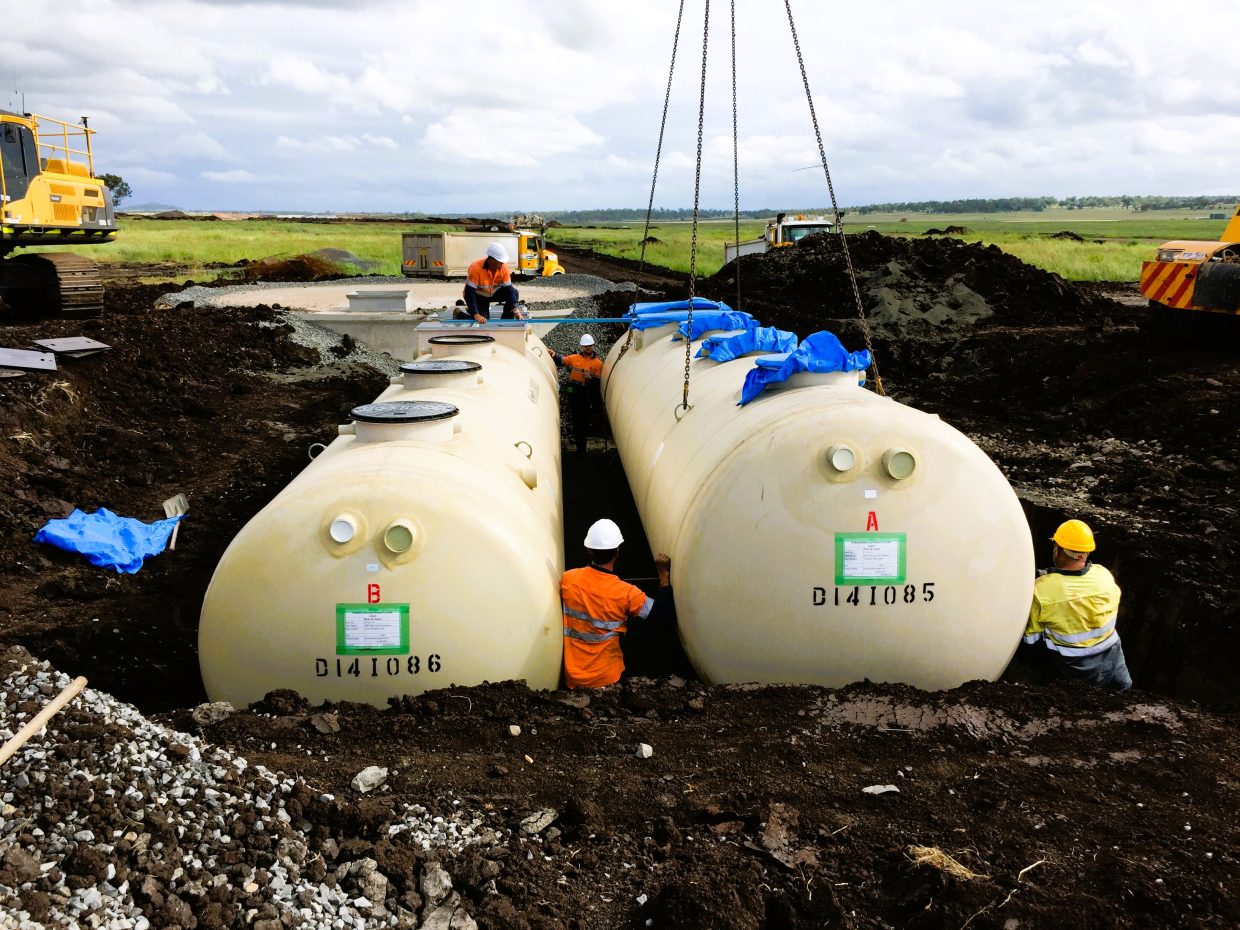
{"x": 1071, "y": 630}
{"x": 598, "y": 606}
{"x": 488, "y": 282}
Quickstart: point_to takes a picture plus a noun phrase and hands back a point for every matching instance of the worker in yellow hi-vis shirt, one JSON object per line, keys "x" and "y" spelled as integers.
{"x": 1071, "y": 630}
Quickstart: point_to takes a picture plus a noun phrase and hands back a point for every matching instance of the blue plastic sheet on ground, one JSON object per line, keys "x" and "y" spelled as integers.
{"x": 759, "y": 339}
{"x": 107, "y": 540}
{"x": 652, "y": 315}
{"x": 819, "y": 352}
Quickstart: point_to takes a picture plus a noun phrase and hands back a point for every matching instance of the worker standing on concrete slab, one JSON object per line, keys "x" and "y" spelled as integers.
{"x": 597, "y": 608}
{"x": 1071, "y": 630}
{"x": 489, "y": 281}
{"x": 582, "y": 390}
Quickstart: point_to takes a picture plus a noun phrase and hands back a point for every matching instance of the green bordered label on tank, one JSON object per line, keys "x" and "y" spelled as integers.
{"x": 372, "y": 629}
{"x": 870, "y": 558}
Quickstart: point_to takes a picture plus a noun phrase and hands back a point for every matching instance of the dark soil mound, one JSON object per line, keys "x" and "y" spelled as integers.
{"x": 1067, "y": 234}
{"x": 313, "y": 267}
{"x": 218, "y": 404}
{"x": 651, "y": 240}
{"x": 926, "y": 289}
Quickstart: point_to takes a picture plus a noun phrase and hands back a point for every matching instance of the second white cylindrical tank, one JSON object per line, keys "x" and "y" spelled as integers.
{"x": 820, "y": 534}
{"x": 422, "y": 548}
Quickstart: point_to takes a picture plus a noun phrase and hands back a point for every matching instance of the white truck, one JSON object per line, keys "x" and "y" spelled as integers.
{"x": 783, "y": 231}
{"x": 449, "y": 254}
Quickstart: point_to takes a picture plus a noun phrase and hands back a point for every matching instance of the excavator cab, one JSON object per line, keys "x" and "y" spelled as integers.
{"x": 49, "y": 195}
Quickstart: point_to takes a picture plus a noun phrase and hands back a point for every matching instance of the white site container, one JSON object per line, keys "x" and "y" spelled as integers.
{"x": 423, "y": 547}
{"x": 820, "y": 534}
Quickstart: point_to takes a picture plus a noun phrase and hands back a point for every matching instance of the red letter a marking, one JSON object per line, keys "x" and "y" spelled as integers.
{"x": 871, "y": 522}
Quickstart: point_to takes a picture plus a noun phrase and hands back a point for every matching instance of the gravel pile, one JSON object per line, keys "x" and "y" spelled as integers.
{"x": 333, "y": 346}
{"x": 111, "y": 820}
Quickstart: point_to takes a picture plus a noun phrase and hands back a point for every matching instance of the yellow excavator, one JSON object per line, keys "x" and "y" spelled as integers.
{"x": 49, "y": 195}
{"x": 1190, "y": 275}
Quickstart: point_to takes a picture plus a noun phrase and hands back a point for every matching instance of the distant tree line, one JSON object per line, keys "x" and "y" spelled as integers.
{"x": 972, "y": 205}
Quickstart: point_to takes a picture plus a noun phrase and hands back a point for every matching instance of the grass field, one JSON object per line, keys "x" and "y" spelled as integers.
{"x": 1116, "y": 243}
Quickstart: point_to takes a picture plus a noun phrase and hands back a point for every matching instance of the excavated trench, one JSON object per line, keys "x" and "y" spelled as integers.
{"x": 205, "y": 401}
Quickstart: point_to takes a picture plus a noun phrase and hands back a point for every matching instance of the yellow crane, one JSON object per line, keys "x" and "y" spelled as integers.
{"x": 49, "y": 195}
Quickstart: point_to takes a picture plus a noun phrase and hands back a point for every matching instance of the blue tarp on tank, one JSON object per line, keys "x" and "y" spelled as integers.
{"x": 108, "y": 540}
{"x": 758, "y": 339}
{"x": 650, "y": 316}
{"x": 820, "y": 352}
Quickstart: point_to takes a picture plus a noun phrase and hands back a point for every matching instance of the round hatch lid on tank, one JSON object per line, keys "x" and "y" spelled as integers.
{"x": 440, "y": 372}
{"x": 473, "y": 345}
{"x": 422, "y": 420}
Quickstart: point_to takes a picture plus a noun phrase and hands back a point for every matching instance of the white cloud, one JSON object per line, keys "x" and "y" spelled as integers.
{"x": 321, "y": 100}
{"x": 506, "y": 137}
{"x": 237, "y": 176}
{"x": 143, "y": 175}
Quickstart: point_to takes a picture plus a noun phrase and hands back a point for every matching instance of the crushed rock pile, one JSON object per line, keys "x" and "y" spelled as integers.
{"x": 112, "y": 820}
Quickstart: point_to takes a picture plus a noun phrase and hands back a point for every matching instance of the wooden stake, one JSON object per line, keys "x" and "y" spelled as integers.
{"x": 41, "y": 718}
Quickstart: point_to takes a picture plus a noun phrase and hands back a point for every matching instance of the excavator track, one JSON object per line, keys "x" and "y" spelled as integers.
{"x": 51, "y": 284}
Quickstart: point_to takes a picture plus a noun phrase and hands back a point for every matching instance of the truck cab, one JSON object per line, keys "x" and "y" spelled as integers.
{"x": 780, "y": 233}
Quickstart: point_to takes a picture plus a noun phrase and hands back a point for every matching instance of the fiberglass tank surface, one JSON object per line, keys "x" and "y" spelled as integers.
{"x": 820, "y": 534}
{"x": 421, "y": 549}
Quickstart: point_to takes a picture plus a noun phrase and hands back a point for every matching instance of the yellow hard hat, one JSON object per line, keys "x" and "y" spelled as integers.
{"x": 1074, "y": 535}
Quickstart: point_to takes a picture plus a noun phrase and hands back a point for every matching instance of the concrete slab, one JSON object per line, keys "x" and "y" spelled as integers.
{"x": 333, "y": 297}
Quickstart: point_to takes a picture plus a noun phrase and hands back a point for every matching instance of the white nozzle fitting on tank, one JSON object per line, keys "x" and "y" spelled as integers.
{"x": 899, "y": 463}
{"x": 342, "y": 529}
{"x": 346, "y": 429}
{"x": 841, "y": 458}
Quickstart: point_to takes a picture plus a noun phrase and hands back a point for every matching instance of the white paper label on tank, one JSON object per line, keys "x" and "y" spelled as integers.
{"x": 871, "y": 494}
{"x": 372, "y": 567}
{"x": 533, "y": 391}
{"x": 869, "y": 558}
{"x": 372, "y": 629}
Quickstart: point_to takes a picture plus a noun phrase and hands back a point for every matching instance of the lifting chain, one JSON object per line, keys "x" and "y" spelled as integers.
{"x": 736, "y": 168}
{"x": 697, "y": 195}
{"x": 839, "y": 219}
{"x": 667, "y": 96}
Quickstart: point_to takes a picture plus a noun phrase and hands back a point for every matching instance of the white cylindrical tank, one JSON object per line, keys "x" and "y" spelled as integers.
{"x": 422, "y": 548}
{"x": 820, "y": 534}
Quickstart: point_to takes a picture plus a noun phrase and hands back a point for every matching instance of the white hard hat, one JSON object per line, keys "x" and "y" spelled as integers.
{"x": 497, "y": 251}
{"x": 604, "y": 534}
{"x": 587, "y": 339}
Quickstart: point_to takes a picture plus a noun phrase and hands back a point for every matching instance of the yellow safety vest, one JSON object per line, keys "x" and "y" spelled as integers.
{"x": 1074, "y": 613}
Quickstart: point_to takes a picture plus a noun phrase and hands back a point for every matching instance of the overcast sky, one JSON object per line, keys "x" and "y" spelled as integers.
{"x": 480, "y": 106}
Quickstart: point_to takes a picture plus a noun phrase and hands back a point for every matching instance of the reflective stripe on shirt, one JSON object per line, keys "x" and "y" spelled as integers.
{"x": 598, "y": 624}
{"x": 1112, "y": 640}
{"x": 588, "y": 637}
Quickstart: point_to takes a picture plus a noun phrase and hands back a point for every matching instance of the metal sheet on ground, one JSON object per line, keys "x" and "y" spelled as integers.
{"x": 73, "y": 346}
{"x": 25, "y": 360}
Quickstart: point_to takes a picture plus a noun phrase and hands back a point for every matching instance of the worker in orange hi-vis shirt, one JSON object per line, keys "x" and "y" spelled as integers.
{"x": 582, "y": 392}
{"x": 489, "y": 281}
{"x": 598, "y": 606}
